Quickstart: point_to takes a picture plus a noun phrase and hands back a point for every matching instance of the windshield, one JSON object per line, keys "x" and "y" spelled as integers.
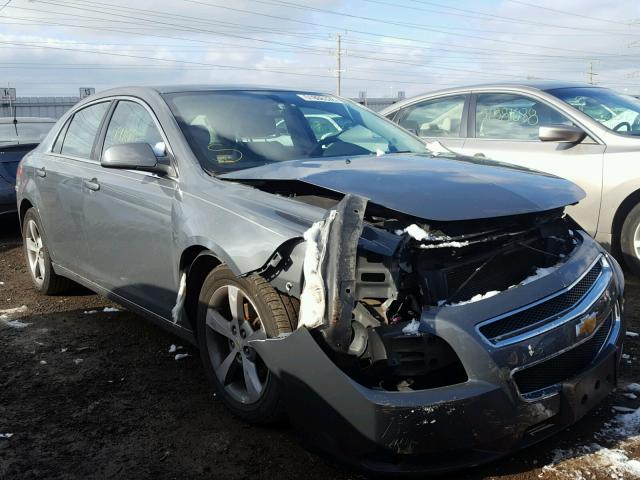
{"x": 31, "y": 132}
{"x": 619, "y": 113}
{"x": 231, "y": 130}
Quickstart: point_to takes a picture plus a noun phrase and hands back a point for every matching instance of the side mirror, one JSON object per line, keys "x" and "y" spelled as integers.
{"x": 133, "y": 156}
{"x": 412, "y": 126}
{"x": 561, "y": 133}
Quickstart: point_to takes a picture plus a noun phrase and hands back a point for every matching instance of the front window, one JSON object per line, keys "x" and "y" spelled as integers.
{"x": 505, "y": 116}
{"x": 231, "y": 130}
{"x": 23, "y": 133}
{"x": 132, "y": 123}
{"x": 619, "y": 113}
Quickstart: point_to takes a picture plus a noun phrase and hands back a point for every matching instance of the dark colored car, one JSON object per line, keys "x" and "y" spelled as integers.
{"x": 17, "y": 137}
{"x": 407, "y": 311}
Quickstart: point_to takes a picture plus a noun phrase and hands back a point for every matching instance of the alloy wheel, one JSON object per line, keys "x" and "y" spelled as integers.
{"x": 232, "y": 323}
{"x": 35, "y": 252}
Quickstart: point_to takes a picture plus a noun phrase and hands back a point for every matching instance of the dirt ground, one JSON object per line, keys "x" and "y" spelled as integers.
{"x": 97, "y": 395}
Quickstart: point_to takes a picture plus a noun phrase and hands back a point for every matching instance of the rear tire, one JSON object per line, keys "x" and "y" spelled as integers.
{"x": 239, "y": 375}
{"x": 36, "y": 254}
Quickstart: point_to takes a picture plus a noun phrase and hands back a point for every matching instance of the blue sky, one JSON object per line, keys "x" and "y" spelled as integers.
{"x": 50, "y": 47}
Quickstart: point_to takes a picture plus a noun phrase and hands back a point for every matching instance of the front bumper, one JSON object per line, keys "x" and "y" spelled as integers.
{"x": 463, "y": 425}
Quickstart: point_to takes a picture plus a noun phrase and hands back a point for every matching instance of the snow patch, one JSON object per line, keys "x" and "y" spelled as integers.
{"x": 476, "y": 298}
{"x": 412, "y": 328}
{"x": 6, "y": 435}
{"x": 16, "y": 323}
{"x": 632, "y": 396}
{"x": 632, "y": 334}
{"x": 446, "y": 245}
{"x": 90, "y": 312}
{"x": 632, "y": 387}
{"x": 312, "y": 299}
{"x": 8, "y": 312}
{"x": 540, "y": 272}
{"x": 110, "y": 309}
{"x": 78, "y": 361}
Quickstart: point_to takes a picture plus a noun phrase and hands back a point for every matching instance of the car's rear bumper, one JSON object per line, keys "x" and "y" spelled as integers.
{"x": 457, "y": 426}
{"x": 7, "y": 197}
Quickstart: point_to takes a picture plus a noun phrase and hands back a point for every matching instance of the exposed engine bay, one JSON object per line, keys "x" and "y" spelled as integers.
{"x": 403, "y": 265}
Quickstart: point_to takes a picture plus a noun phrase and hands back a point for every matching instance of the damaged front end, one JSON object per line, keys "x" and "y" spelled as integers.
{"x": 421, "y": 341}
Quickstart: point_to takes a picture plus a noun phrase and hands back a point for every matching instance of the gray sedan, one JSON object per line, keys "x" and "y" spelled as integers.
{"x": 587, "y": 134}
{"x": 344, "y": 277}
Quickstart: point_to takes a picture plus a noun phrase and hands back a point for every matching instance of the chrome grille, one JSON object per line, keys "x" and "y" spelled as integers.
{"x": 537, "y": 314}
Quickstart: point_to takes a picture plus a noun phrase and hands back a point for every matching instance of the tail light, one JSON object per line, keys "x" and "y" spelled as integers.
{"x": 18, "y": 176}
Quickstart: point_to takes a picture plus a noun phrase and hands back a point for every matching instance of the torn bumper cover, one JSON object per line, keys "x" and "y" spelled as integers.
{"x": 525, "y": 380}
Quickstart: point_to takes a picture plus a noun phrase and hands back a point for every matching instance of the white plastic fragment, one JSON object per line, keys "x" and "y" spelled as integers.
{"x": 436, "y": 148}
{"x": 173, "y": 349}
{"x": 6, "y": 435}
{"x": 43, "y": 362}
{"x": 632, "y": 396}
{"x": 78, "y": 361}
{"x": 180, "y": 356}
{"x": 412, "y": 328}
{"x": 110, "y": 309}
{"x": 632, "y": 334}
{"x": 90, "y": 312}
{"x": 312, "y": 298}
{"x": 176, "y": 311}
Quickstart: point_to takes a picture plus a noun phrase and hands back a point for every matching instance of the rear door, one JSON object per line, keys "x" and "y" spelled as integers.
{"x": 505, "y": 127}
{"x": 443, "y": 119}
{"x": 129, "y": 216}
{"x": 59, "y": 179}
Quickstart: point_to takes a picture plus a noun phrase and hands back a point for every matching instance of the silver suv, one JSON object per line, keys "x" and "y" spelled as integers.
{"x": 587, "y": 134}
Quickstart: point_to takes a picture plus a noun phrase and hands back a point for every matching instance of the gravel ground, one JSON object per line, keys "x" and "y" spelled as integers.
{"x": 97, "y": 395}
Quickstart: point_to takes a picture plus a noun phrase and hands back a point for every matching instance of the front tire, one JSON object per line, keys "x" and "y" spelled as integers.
{"x": 36, "y": 254}
{"x": 630, "y": 240}
{"x": 232, "y": 311}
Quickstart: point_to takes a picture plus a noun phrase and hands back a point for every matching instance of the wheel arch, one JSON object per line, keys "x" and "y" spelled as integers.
{"x": 618, "y": 219}
{"x": 197, "y": 261}
{"x": 25, "y": 205}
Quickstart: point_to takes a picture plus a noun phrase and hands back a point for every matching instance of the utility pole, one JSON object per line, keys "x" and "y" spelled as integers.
{"x": 591, "y": 74}
{"x": 339, "y": 65}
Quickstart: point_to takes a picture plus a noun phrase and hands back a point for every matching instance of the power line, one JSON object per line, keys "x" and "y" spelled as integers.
{"x": 573, "y": 14}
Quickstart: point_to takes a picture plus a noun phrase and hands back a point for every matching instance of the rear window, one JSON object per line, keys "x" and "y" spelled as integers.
{"x": 82, "y": 131}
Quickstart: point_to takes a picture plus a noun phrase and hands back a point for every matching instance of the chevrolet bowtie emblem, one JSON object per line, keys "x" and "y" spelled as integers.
{"x": 587, "y": 325}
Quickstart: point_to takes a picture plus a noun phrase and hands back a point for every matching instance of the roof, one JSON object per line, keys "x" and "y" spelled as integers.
{"x": 202, "y": 88}
{"x": 4, "y": 120}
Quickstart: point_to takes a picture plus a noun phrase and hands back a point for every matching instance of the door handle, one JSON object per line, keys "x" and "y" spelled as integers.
{"x": 41, "y": 172}
{"x": 92, "y": 184}
{"x": 480, "y": 155}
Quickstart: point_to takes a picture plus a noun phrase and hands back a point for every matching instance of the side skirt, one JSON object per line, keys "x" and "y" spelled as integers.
{"x": 162, "y": 322}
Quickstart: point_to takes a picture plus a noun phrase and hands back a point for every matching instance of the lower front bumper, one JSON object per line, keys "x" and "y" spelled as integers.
{"x": 435, "y": 430}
